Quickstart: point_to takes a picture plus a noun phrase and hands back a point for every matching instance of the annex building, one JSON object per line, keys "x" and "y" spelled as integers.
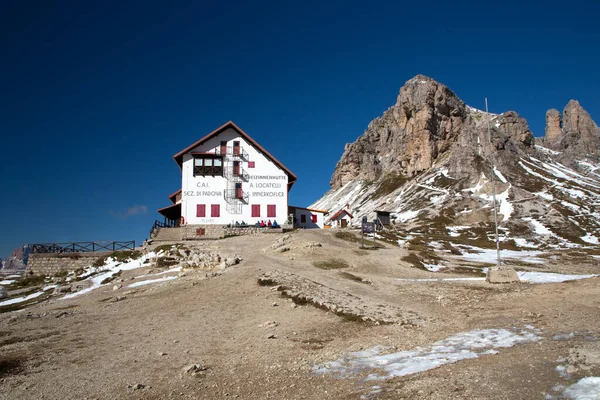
{"x": 227, "y": 178}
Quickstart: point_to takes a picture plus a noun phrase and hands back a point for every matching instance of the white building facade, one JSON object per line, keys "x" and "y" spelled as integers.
{"x": 341, "y": 219}
{"x": 228, "y": 178}
{"x": 308, "y": 218}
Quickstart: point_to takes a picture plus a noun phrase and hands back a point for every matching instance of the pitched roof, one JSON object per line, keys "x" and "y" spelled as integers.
{"x": 179, "y": 156}
{"x": 174, "y": 195}
{"x": 337, "y": 214}
{"x": 310, "y": 209}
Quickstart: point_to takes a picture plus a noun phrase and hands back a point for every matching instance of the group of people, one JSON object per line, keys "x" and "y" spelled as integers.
{"x": 267, "y": 224}
{"x": 261, "y": 224}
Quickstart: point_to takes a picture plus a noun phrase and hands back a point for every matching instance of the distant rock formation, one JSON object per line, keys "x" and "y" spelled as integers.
{"x": 18, "y": 258}
{"x": 574, "y": 134}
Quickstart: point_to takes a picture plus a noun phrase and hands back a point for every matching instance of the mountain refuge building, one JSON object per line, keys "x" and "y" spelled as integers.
{"x": 227, "y": 178}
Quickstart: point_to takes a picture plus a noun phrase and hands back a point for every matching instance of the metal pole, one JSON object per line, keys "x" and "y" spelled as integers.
{"x": 498, "y": 260}
{"x": 362, "y": 229}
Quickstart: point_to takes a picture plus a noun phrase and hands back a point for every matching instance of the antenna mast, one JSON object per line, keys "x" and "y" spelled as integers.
{"x": 498, "y": 260}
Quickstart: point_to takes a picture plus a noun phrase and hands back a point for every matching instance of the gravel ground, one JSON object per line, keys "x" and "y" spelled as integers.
{"x": 249, "y": 342}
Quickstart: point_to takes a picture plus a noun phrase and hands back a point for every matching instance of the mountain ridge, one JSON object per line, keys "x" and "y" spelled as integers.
{"x": 427, "y": 159}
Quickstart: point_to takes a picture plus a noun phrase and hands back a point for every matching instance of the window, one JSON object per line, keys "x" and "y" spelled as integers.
{"x": 303, "y": 218}
{"x": 201, "y": 210}
{"x": 215, "y": 210}
{"x": 208, "y": 164}
{"x": 314, "y": 218}
{"x": 271, "y": 211}
{"x": 250, "y": 164}
{"x": 256, "y": 210}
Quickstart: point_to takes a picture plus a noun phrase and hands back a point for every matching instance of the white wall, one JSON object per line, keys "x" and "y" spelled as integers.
{"x": 309, "y": 223}
{"x": 337, "y": 223}
{"x": 267, "y": 185}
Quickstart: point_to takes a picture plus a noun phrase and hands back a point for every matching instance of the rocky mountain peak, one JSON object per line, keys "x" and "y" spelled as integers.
{"x": 574, "y": 133}
{"x": 420, "y": 129}
{"x": 427, "y": 160}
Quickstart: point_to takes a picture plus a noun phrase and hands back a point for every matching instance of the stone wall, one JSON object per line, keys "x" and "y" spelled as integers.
{"x": 250, "y": 230}
{"x": 52, "y": 264}
{"x": 199, "y": 232}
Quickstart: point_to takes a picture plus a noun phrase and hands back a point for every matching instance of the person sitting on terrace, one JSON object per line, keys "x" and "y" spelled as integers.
{"x": 243, "y": 223}
{"x": 257, "y": 223}
{"x": 237, "y": 223}
{"x": 269, "y": 224}
{"x": 262, "y": 224}
{"x": 275, "y": 224}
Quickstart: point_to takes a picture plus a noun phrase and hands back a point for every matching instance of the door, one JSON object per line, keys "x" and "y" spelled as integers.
{"x": 223, "y": 147}
{"x": 344, "y": 223}
{"x": 236, "y": 148}
{"x": 236, "y": 168}
{"x": 238, "y": 191}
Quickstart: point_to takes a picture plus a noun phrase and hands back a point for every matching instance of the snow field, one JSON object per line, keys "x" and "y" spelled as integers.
{"x": 462, "y": 346}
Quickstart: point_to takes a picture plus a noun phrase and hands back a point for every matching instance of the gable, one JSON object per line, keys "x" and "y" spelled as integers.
{"x": 179, "y": 156}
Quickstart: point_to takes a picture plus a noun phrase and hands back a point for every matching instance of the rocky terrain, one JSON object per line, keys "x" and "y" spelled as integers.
{"x": 427, "y": 160}
{"x": 303, "y": 315}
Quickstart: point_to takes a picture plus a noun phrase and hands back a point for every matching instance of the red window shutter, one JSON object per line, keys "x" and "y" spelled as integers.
{"x": 215, "y": 210}
{"x": 256, "y": 210}
{"x": 271, "y": 213}
{"x": 250, "y": 164}
{"x": 201, "y": 210}
{"x": 314, "y": 219}
{"x": 303, "y": 218}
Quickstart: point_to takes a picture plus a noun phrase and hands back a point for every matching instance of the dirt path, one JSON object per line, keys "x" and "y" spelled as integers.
{"x": 252, "y": 343}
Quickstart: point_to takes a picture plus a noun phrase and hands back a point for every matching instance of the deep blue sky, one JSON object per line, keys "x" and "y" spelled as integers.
{"x": 98, "y": 96}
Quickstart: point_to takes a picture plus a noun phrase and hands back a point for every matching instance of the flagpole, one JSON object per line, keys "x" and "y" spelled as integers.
{"x": 498, "y": 260}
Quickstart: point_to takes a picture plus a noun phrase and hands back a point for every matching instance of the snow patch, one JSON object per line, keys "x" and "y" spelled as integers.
{"x": 545, "y": 196}
{"x": 454, "y": 230}
{"x": 21, "y": 299}
{"x": 499, "y": 175}
{"x": 433, "y": 267}
{"x": 585, "y": 389}
{"x": 111, "y": 267}
{"x": 478, "y": 254}
{"x": 406, "y": 215}
{"x": 462, "y": 346}
{"x": 589, "y": 238}
{"x": 549, "y": 277}
{"x": 521, "y": 242}
{"x": 538, "y": 227}
{"x": 149, "y": 281}
{"x": 547, "y": 151}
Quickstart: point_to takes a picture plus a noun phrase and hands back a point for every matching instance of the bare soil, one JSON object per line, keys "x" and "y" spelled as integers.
{"x": 254, "y": 344}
